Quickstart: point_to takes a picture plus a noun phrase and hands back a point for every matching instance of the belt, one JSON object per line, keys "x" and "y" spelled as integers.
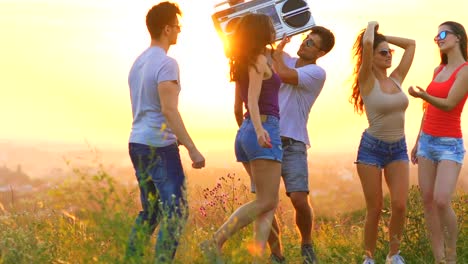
{"x": 286, "y": 141}
{"x": 263, "y": 118}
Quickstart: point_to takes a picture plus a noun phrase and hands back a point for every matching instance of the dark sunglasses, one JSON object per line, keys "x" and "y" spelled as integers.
{"x": 386, "y": 52}
{"x": 442, "y": 35}
{"x": 310, "y": 43}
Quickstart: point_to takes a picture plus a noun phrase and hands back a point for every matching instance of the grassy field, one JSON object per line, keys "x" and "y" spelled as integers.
{"x": 87, "y": 220}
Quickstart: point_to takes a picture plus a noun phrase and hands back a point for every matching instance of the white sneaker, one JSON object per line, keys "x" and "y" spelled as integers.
{"x": 368, "y": 261}
{"x": 395, "y": 259}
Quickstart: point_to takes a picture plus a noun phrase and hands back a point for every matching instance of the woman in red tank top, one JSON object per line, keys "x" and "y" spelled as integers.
{"x": 439, "y": 148}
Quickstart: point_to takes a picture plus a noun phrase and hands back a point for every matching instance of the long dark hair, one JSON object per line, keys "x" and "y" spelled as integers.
{"x": 250, "y": 38}
{"x": 356, "y": 98}
{"x": 460, "y": 32}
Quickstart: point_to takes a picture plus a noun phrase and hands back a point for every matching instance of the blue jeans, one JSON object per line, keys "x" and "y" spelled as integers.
{"x": 375, "y": 152}
{"x": 437, "y": 149}
{"x": 162, "y": 193}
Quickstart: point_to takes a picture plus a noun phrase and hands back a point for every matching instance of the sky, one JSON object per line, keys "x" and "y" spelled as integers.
{"x": 64, "y": 66}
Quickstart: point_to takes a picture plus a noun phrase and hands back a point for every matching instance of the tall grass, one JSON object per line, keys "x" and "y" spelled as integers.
{"x": 88, "y": 221}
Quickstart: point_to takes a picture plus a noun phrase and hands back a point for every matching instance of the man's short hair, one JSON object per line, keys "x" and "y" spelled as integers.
{"x": 327, "y": 37}
{"x": 159, "y": 16}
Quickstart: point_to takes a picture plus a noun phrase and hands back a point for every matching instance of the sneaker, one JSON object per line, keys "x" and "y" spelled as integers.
{"x": 395, "y": 259}
{"x": 210, "y": 252}
{"x": 368, "y": 261}
{"x": 277, "y": 260}
{"x": 307, "y": 252}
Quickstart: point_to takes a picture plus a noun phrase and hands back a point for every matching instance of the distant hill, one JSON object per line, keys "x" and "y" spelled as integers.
{"x": 13, "y": 177}
{"x": 16, "y": 179}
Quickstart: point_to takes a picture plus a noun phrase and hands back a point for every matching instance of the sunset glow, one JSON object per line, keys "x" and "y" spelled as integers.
{"x": 65, "y": 63}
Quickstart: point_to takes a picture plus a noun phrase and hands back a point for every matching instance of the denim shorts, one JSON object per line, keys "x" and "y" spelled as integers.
{"x": 375, "y": 152}
{"x": 294, "y": 170}
{"x": 247, "y": 147}
{"x": 441, "y": 148}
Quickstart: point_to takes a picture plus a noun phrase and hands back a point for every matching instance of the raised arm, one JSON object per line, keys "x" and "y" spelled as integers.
{"x": 169, "y": 95}
{"x": 287, "y": 75}
{"x": 366, "y": 77}
{"x": 456, "y": 94}
{"x": 234, "y": 2}
{"x": 403, "y": 67}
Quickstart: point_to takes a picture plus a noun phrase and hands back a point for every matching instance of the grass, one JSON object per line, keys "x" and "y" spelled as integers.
{"x": 88, "y": 221}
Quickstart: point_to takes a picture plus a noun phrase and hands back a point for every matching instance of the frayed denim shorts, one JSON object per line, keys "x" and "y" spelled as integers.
{"x": 437, "y": 149}
{"x": 247, "y": 147}
{"x": 375, "y": 152}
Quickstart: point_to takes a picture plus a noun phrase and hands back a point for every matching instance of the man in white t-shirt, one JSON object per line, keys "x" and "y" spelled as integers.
{"x": 303, "y": 81}
{"x": 157, "y": 129}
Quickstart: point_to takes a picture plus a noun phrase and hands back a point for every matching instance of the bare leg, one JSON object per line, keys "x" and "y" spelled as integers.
{"x": 304, "y": 216}
{"x": 266, "y": 176}
{"x": 397, "y": 178}
{"x": 427, "y": 177}
{"x": 262, "y": 230}
{"x": 274, "y": 240}
{"x": 371, "y": 181}
{"x": 445, "y": 184}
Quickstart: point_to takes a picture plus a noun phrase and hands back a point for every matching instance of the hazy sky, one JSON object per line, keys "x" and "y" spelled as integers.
{"x": 64, "y": 67}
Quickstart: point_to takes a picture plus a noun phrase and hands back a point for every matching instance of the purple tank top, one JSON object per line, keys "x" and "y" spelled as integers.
{"x": 268, "y": 100}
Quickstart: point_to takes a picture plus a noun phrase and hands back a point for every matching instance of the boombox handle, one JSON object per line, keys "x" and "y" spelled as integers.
{"x": 227, "y": 2}
{"x": 222, "y": 3}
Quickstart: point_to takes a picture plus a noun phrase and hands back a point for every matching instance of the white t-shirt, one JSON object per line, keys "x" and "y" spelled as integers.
{"x": 149, "y": 125}
{"x": 295, "y": 101}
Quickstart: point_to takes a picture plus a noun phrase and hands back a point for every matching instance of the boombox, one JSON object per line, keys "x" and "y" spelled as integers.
{"x": 289, "y": 17}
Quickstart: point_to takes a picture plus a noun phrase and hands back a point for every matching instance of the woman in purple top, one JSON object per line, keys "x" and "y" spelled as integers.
{"x": 258, "y": 143}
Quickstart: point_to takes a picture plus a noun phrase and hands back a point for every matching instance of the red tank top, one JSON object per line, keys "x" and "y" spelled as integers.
{"x": 441, "y": 123}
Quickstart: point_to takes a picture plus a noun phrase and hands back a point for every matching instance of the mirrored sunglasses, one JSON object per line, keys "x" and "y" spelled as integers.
{"x": 442, "y": 35}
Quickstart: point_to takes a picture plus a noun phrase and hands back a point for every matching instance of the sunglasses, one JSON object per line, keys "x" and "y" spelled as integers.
{"x": 310, "y": 43}
{"x": 442, "y": 35}
{"x": 386, "y": 52}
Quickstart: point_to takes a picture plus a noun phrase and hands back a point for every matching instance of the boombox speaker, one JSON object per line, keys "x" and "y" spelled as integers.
{"x": 289, "y": 17}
